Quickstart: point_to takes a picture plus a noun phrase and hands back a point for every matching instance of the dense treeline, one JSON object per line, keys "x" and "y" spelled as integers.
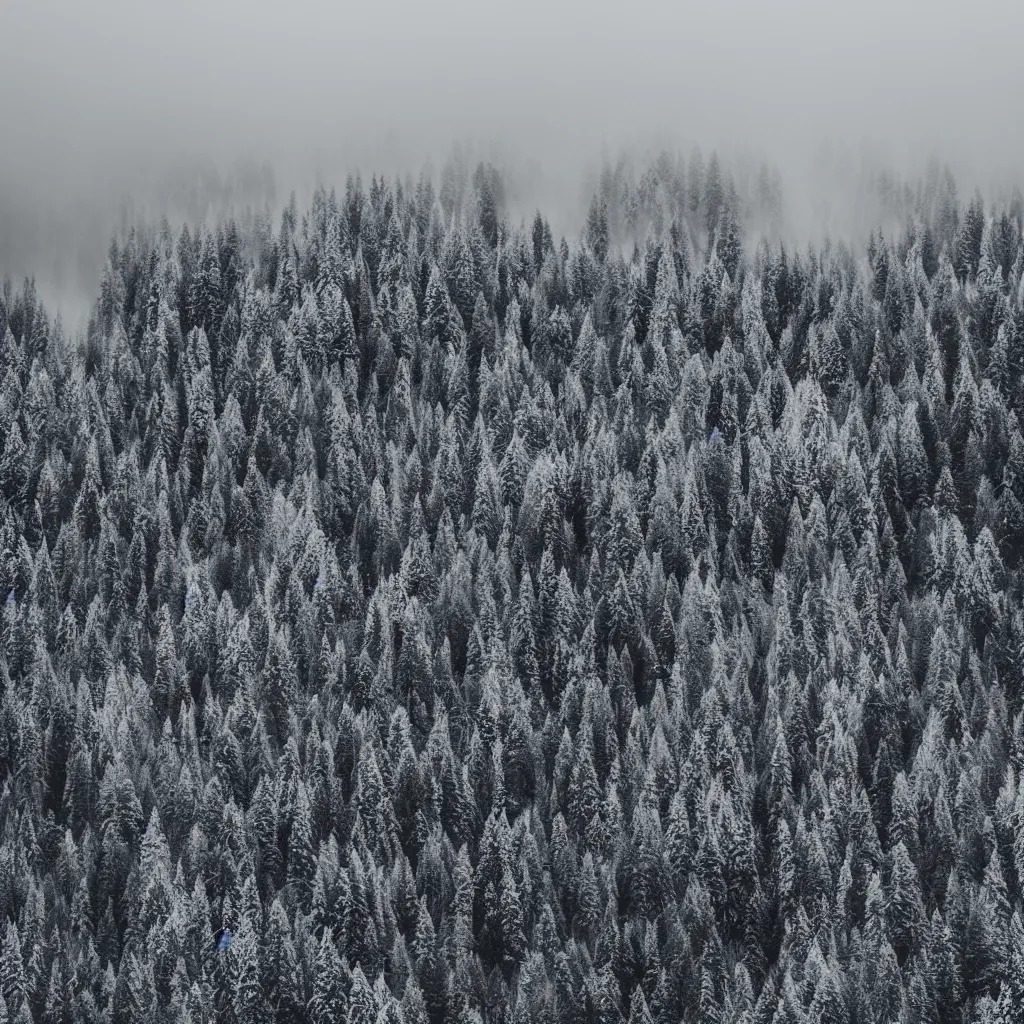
{"x": 490, "y": 628}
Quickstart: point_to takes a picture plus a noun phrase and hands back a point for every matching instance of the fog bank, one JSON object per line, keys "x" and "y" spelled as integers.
{"x": 119, "y": 98}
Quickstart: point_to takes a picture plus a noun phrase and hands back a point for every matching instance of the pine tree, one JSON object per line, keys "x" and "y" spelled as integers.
{"x": 248, "y": 1005}
{"x": 301, "y": 860}
{"x": 279, "y": 685}
{"x": 904, "y": 910}
{"x": 13, "y": 980}
{"x": 328, "y": 1002}
{"x": 442, "y": 318}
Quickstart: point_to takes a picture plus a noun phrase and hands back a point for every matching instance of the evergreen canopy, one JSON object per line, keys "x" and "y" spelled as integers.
{"x": 489, "y": 628}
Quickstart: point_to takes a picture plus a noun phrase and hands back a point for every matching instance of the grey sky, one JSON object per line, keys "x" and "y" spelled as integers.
{"x": 100, "y": 97}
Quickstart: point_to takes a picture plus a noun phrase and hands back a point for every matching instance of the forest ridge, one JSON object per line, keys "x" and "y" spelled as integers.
{"x": 409, "y": 618}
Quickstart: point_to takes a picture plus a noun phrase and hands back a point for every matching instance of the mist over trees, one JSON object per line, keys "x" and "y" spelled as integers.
{"x": 490, "y": 626}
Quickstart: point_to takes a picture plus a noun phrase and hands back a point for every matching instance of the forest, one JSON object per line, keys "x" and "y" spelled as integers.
{"x": 412, "y": 617}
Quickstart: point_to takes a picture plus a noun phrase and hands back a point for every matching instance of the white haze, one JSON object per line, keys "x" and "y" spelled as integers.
{"x": 113, "y": 99}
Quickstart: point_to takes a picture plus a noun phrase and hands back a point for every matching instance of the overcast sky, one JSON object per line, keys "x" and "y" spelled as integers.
{"x": 100, "y": 97}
